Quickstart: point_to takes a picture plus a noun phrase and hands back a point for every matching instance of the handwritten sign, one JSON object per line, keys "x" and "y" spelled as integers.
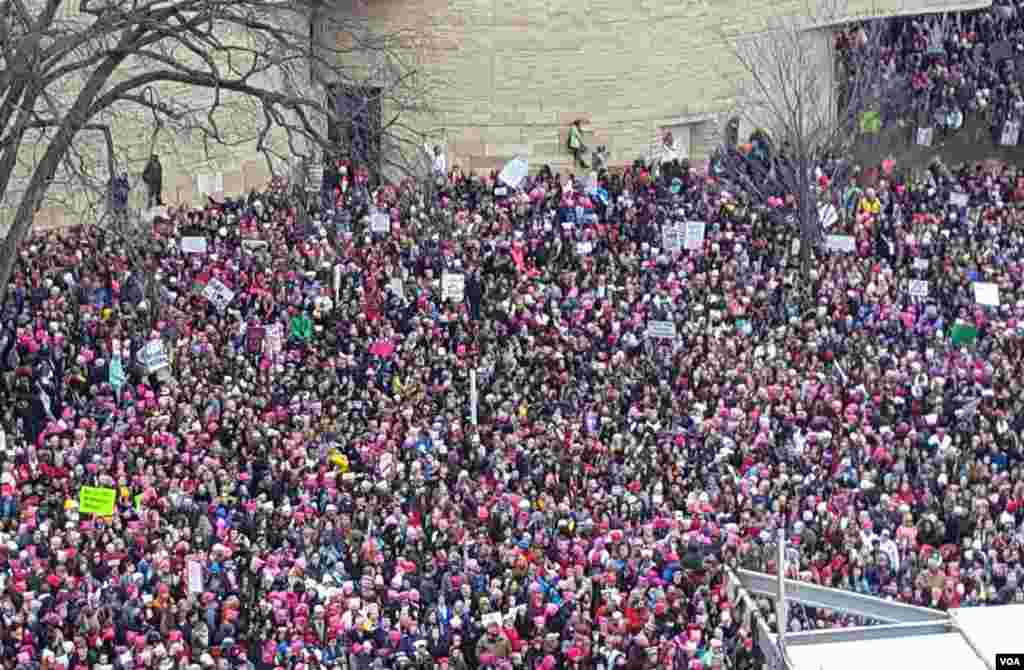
{"x": 958, "y": 199}
{"x": 584, "y": 248}
{"x": 380, "y": 223}
{"x": 920, "y": 263}
{"x": 918, "y": 288}
{"x": 672, "y": 237}
{"x": 453, "y": 286}
{"x": 195, "y": 577}
{"x": 193, "y": 245}
{"x": 844, "y": 243}
{"x": 1010, "y": 134}
{"x": 153, "y": 356}
{"x": 986, "y": 294}
{"x": 218, "y": 294}
{"x": 96, "y": 500}
{"x": 923, "y": 137}
{"x": 694, "y": 235}
{"x": 661, "y": 330}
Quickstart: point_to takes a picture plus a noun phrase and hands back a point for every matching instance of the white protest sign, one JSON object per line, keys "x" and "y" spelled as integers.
{"x": 218, "y": 294}
{"x": 584, "y": 248}
{"x": 380, "y": 223}
{"x": 662, "y": 330}
{"x": 694, "y": 235}
{"x": 844, "y": 243}
{"x": 153, "y": 356}
{"x": 397, "y": 287}
{"x": 193, "y": 245}
{"x": 273, "y": 339}
{"x": 672, "y": 237}
{"x": 986, "y": 293}
{"x": 828, "y": 215}
{"x": 253, "y": 245}
{"x": 1011, "y": 134}
{"x": 210, "y": 184}
{"x": 514, "y": 172}
{"x": 924, "y": 137}
{"x": 920, "y": 263}
{"x": 918, "y": 288}
{"x": 195, "y": 577}
{"x": 501, "y": 191}
{"x": 453, "y": 286}
{"x": 958, "y": 199}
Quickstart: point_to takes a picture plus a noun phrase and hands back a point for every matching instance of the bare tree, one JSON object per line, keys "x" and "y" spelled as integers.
{"x": 223, "y": 73}
{"x": 807, "y": 97}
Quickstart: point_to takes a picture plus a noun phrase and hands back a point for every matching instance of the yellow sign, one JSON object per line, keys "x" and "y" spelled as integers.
{"x": 96, "y": 500}
{"x": 338, "y": 459}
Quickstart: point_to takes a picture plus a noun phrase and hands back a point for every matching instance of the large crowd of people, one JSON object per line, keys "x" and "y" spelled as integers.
{"x": 465, "y": 425}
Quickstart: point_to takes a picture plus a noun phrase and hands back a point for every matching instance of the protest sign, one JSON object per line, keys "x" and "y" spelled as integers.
{"x": 584, "y": 248}
{"x": 96, "y": 500}
{"x": 662, "y": 330}
{"x": 209, "y": 184}
{"x": 920, "y": 263}
{"x": 514, "y": 172}
{"x": 195, "y": 577}
{"x": 828, "y": 215}
{"x": 193, "y": 245}
{"x": 1011, "y": 134}
{"x": 844, "y": 243}
{"x": 501, "y": 191}
{"x": 986, "y": 294}
{"x": 218, "y": 294}
{"x": 153, "y": 356}
{"x": 918, "y": 288}
{"x": 672, "y": 237}
{"x": 923, "y": 137}
{"x": 397, "y": 286}
{"x": 380, "y": 223}
{"x": 253, "y": 245}
{"x": 958, "y": 199}
{"x": 694, "y": 235}
{"x": 453, "y": 286}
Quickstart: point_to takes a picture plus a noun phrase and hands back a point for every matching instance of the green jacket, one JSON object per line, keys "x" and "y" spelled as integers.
{"x": 302, "y": 326}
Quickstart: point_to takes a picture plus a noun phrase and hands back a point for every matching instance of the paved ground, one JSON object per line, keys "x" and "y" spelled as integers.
{"x": 972, "y": 143}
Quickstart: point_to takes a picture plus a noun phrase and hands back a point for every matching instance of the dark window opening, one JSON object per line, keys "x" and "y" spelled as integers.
{"x": 356, "y": 132}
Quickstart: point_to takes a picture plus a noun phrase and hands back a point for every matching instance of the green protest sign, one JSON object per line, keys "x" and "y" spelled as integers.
{"x": 963, "y": 334}
{"x": 96, "y": 500}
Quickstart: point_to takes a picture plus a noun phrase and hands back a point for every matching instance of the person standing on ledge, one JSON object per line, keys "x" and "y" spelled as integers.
{"x": 153, "y": 177}
{"x": 576, "y": 146}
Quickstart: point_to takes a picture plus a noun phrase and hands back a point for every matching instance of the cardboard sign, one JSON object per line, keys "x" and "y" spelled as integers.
{"x": 1011, "y": 134}
{"x": 694, "y": 235}
{"x": 958, "y": 199}
{"x": 986, "y": 294}
{"x": 96, "y": 500}
{"x": 918, "y": 288}
{"x": 193, "y": 245}
{"x": 844, "y": 243}
{"x": 514, "y": 172}
{"x": 218, "y": 294}
{"x": 195, "y": 577}
{"x": 380, "y": 223}
{"x": 453, "y": 286}
{"x": 923, "y": 137}
{"x": 661, "y": 330}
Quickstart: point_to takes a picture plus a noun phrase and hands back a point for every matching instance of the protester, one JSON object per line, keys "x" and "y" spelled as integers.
{"x": 305, "y": 481}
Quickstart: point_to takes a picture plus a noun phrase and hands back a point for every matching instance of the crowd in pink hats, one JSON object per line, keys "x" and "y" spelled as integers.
{"x": 307, "y": 482}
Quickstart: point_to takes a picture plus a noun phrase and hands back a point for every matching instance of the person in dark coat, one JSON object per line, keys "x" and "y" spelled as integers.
{"x": 153, "y": 177}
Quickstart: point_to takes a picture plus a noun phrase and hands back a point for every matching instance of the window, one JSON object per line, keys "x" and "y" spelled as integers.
{"x": 356, "y": 132}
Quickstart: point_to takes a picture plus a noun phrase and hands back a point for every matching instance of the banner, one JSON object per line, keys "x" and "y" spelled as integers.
{"x": 661, "y": 330}
{"x": 218, "y": 294}
{"x": 96, "y": 500}
{"x": 193, "y": 245}
{"x": 844, "y": 243}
